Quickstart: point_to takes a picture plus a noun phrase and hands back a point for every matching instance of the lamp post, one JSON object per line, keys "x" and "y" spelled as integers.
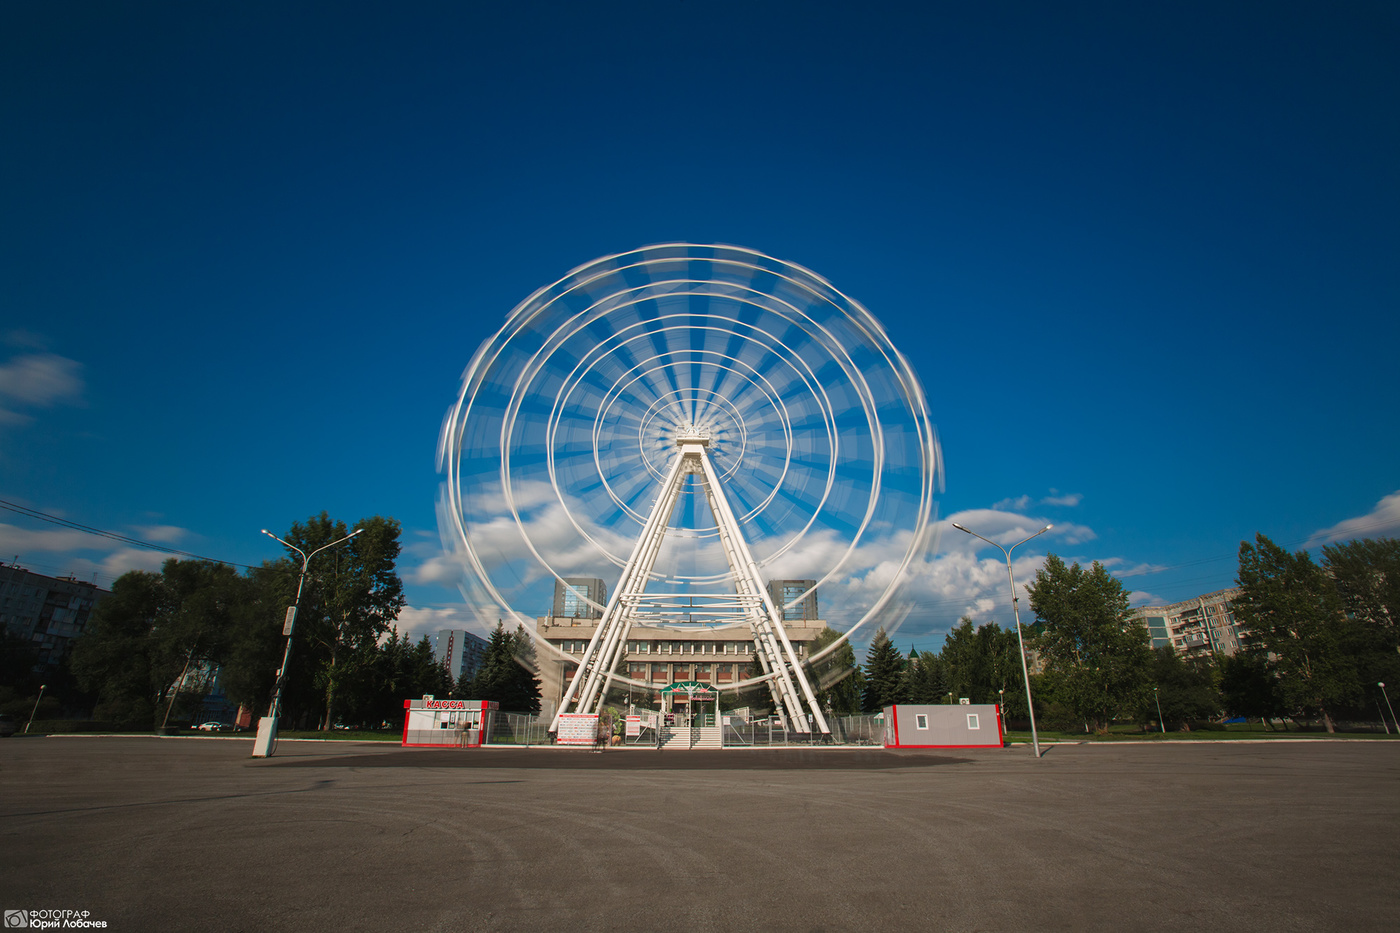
{"x": 1389, "y": 707}
{"x": 267, "y": 726}
{"x": 41, "y": 696}
{"x": 1016, "y": 611}
{"x": 1159, "y": 711}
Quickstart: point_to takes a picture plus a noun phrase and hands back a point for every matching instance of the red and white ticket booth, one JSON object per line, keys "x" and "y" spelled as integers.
{"x": 434, "y": 723}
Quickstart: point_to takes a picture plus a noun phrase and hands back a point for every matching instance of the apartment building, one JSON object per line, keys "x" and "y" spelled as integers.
{"x": 49, "y": 612}
{"x": 1199, "y": 626}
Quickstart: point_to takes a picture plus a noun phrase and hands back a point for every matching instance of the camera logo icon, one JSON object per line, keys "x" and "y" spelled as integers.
{"x": 16, "y": 919}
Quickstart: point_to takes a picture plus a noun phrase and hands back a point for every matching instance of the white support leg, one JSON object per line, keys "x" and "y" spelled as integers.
{"x": 786, "y": 679}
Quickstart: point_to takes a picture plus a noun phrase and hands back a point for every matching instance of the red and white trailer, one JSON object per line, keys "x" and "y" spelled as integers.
{"x": 976, "y": 725}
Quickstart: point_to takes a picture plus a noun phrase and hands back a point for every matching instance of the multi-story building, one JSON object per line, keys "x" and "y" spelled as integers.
{"x": 48, "y": 612}
{"x": 459, "y": 652}
{"x": 659, "y": 655}
{"x": 794, "y": 599}
{"x": 579, "y": 598}
{"x": 1199, "y": 626}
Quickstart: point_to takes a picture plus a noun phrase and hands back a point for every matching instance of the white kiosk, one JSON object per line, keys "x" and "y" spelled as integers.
{"x": 434, "y": 723}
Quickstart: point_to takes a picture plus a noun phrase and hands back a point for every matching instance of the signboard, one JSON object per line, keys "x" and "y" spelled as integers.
{"x": 577, "y": 729}
{"x": 634, "y": 726}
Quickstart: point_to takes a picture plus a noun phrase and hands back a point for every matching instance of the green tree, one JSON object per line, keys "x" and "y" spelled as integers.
{"x": 835, "y": 678}
{"x": 353, "y": 595}
{"x": 1185, "y": 688}
{"x": 507, "y": 672}
{"x": 1366, "y": 575}
{"x": 884, "y": 674}
{"x": 926, "y": 678}
{"x": 1248, "y": 688}
{"x": 1096, "y": 654}
{"x": 255, "y": 642}
{"x": 151, "y": 630}
{"x": 1290, "y": 611}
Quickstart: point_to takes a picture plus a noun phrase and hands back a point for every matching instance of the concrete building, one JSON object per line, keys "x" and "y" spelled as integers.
{"x": 459, "y": 652}
{"x": 1199, "y": 626}
{"x": 576, "y": 596}
{"x": 49, "y": 612}
{"x": 787, "y": 596}
{"x": 660, "y": 655}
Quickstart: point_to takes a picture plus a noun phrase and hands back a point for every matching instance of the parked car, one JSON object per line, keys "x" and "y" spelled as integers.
{"x": 214, "y": 727}
{"x": 8, "y": 725}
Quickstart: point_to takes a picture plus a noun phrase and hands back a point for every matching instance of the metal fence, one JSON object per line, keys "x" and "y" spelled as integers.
{"x": 845, "y": 730}
{"x": 858, "y": 730}
{"x": 521, "y": 729}
{"x": 518, "y": 729}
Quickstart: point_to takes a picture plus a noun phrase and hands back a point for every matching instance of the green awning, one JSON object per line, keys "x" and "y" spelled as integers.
{"x": 688, "y": 686}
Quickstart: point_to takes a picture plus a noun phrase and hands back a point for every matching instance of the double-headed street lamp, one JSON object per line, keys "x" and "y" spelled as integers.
{"x": 267, "y": 726}
{"x": 1016, "y": 611}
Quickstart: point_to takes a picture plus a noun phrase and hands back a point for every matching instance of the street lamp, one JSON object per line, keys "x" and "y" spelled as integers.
{"x": 1159, "y": 711}
{"x": 1389, "y": 707}
{"x": 267, "y": 726}
{"x": 1016, "y": 611}
{"x": 41, "y": 696}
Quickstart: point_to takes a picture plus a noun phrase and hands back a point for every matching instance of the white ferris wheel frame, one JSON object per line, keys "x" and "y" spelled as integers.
{"x": 750, "y": 605}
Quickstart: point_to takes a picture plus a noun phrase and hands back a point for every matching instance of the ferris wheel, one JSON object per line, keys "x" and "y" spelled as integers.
{"x": 688, "y": 422}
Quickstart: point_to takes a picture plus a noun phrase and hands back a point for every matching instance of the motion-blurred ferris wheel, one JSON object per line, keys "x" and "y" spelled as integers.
{"x": 688, "y": 422}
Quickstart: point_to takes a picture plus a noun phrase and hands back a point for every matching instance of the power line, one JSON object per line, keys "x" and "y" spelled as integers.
{"x": 112, "y": 535}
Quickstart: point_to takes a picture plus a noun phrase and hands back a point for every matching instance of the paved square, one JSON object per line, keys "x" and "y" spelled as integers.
{"x": 188, "y": 834}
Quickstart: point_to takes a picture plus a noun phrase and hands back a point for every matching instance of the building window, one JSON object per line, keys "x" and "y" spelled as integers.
{"x": 972, "y": 723}
{"x": 921, "y": 721}
{"x": 658, "y": 673}
{"x": 702, "y": 672}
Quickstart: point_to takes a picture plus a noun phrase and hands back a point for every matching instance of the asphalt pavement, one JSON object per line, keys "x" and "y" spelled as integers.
{"x": 150, "y": 834}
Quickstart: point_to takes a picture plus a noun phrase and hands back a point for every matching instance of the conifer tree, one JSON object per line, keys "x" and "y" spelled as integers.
{"x": 884, "y": 674}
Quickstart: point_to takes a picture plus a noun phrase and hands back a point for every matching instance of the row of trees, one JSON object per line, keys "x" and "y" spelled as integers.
{"x": 1316, "y": 639}
{"x": 153, "y": 646}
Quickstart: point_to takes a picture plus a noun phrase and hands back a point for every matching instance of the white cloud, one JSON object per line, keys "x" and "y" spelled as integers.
{"x": 419, "y": 621}
{"x": 440, "y": 570}
{"x": 1382, "y": 520}
{"x": 21, "y": 541}
{"x": 1141, "y": 598}
{"x": 1019, "y": 504}
{"x": 40, "y": 380}
{"x": 1022, "y": 503}
{"x": 162, "y": 534}
{"x": 85, "y": 555}
{"x": 1135, "y": 570}
{"x": 121, "y": 561}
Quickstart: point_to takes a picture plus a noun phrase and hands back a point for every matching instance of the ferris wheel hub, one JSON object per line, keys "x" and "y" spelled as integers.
{"x": 690, "y": 434}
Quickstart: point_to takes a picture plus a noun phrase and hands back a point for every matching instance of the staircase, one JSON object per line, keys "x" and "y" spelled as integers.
{"x": 686, "y": 737}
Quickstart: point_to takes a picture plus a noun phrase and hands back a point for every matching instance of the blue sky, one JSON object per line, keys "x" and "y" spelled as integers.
{"x": 1145, "y": 258}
